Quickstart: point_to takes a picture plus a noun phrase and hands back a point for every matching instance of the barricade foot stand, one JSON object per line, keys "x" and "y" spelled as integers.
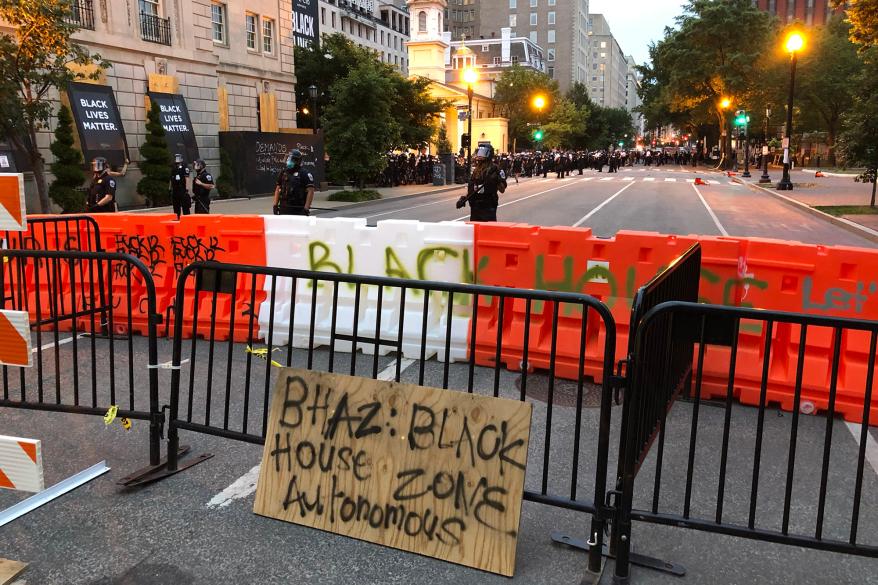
{"x": 153, "y": 473}
{"x": 634, "y": 558}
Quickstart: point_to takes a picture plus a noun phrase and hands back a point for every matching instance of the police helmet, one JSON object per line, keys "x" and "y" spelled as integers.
{"x": 178, "y": 158}
{"x": 99, "y": 164}
{"x": 484, "y": 152}
{"x": 199, "y": 165}
{"x": 294, "y": 158}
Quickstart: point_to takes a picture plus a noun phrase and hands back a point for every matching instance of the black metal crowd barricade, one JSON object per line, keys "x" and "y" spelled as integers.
{"x": 202, "y": 404}
{"x": 56, "y": 232}
{"x": 808, "y": 502}
{"x": 86, "y": 355}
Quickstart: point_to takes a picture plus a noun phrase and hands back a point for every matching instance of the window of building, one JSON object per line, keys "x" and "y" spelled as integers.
{"x": 551, "y": 38}
{"x": 513, "y": 20}
{"x": 533, "y": 3}
{"x": 147, "y": 7}
{"x": 551, "y": 18}
{"x": 322, "y": 15}
{"x": 603, "y": 44}
{"x": 267, "y": 36}
{"x": 513, "y": 4}
{"x": 333, "y": 19}
{"x": 515, "y": 58}
{"x": 603, "y": 55}
{"x": 250, "y": 27}
{"x": 496, "y": 60}
{"x": 218, "y": 20}
{"x": 551, "y": 54}
{"x": 551, "y": 2}
{"x": 791, "y": 10}
{"x": 422, "y": 21}
{"x": 534, "y": 38}
{"x": 552, "y": 72}
{"x": 533, "y": 18}
{"x": 486, "y": 48}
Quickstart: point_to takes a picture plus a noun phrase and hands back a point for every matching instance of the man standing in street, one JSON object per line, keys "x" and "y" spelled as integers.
{"x": 202, "y": 185}
{"x": 178, "y": 186}
{"x": 295, "y": 188}
{"x": 485, "y": 186}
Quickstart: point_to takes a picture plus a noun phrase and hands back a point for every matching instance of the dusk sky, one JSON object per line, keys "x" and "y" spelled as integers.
{"x": 636, "y": 23}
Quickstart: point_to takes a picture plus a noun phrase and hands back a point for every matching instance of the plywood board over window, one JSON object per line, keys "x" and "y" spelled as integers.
{"x": 268, "y": 112}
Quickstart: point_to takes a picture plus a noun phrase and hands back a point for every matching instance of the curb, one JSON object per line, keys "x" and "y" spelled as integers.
{"x": 846, "y": 224}
{"x": 382, "y": 200}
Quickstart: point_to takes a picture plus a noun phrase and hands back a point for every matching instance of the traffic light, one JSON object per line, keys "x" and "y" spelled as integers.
{"x": 741, "y": 118}
{"x": 538, "y": 135}
{"x": 464, "y": 140}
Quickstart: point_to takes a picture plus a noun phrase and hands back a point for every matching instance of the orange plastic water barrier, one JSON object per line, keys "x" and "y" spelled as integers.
{"x": 752, "y": 272}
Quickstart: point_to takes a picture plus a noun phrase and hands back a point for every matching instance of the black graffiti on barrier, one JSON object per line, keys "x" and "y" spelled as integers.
{"x": 148, "y": 249}
{"x": 408, "y": 512}
{"x": 189, "y": 249}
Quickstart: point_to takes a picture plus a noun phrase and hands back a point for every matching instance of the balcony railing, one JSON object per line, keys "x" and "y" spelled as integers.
{"x": 155, "y": 29}
{"x": 82, "y": 14}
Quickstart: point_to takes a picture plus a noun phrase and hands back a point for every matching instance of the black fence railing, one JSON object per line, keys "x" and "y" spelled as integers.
{"x": 82, "y": 14}
{"x": 155, "y": 29}
{"x": 768, "y": 483}
{"x": 309, "y": 318}
{"x": 87, "y": 355}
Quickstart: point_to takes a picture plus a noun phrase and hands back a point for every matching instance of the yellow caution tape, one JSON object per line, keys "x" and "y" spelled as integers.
{"x": 110, "y": 416}
{"x": 262, "y": 353}
{"x": 126, "y": 423}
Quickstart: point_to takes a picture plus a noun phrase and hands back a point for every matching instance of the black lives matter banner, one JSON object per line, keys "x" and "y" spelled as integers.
{"x": 98, "y": 122}
{"x": 178, "y": 127}
{"x": 306, "y": 27}
{"x": 257, "y": 158}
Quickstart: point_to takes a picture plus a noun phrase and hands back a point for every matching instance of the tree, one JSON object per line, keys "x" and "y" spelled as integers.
{"x": 361, "y": 124}
{"x": 515, "y": 89}
{"x": 857, "y": 141}
{"x": 715, "y": 51}
{"x": 416, "y": 109}
{"x": 36, "y": 56}
{"x": 67, "y": 168}
{"x": 443, "y": 146}
{"x": 566, "y": 125}
{"x": 226, "y": 185}
{"x": 156, "y": 163}
{"x": 863, "y": 17}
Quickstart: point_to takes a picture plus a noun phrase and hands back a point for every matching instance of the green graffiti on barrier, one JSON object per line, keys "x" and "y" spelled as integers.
{"x": 322, "y": 263}
{"x": 837, "y": 299}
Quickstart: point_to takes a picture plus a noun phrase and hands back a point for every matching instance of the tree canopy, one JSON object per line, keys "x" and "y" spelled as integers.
{"x": 515, "y": 90}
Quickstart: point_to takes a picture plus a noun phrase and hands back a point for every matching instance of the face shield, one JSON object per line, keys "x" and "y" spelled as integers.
{"x": 99, "y": 165}
{"x": 178, "y": 159}
{"x": 484, "y": 152}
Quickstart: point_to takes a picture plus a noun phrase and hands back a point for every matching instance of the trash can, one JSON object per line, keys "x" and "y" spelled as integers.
{"x": 438, "y": 174}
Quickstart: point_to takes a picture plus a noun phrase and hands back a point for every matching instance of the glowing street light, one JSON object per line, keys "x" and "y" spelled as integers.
{"x": 725, "y": 103}
{"x": 793, "y": 44}
{"x": 539, "y": 102}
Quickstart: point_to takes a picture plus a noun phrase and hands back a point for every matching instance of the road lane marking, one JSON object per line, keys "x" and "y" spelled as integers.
{"x": 649, "y": 179}
{"x": 670, "y": 180}
{"x": 599, "y": 207}
{"x": 588, "y": 179}
{"x": 871, "y": 444}
{"x": 61, "y": 342}
{"x": 628, "y": 179}
{"x": 518, "y": 200}
{"x": 607, "y": 179}
{"x": 246, "y": 484}
{"x": 407, "y": 208}
{"x": 713, "y": 216}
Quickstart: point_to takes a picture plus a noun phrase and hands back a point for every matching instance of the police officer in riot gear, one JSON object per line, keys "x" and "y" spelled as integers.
{"x": 295, "y": 188}
{"x": 485, "y": 185}
{"x": 178, "y": 187}
{"x": 102, "y": 191}
{"x": 202, "y": 185}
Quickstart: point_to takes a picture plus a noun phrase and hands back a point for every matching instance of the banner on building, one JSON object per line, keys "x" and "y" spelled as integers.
{"x": 177, "y": 124}
{"x": 256, "y": 158}
{"x": 306, "y": 26}
{"x": 98, "y": 122}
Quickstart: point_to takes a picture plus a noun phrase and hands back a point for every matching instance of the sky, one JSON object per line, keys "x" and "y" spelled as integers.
{"x": 637, "y": 23}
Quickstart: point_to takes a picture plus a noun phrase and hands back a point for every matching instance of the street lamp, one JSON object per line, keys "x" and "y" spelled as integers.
{"x": 724, "y": 104}
{"x": 539, "y": 103}
{"x": 470, "y": 76}
{"x": 765, "y": 178}
{"x": 312, "y": 92}
{"x": 794, "y": 44}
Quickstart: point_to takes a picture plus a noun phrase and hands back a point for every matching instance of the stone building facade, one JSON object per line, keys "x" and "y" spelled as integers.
{"x": 231, "y": 61}
{"x": 382, "y": 26}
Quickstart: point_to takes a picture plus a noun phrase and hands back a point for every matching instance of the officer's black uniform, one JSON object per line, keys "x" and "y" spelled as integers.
{"x": 202, "y": 194}
{"x": 483, "y": 193}
{"x": 294, "y": 184}
{"x": 179, "y": 194}
{"x": 100, "y": 187}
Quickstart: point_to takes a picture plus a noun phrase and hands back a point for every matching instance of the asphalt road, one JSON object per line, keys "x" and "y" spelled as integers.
{"x": 198, "y": 527}
{"x": 660, "y": 199}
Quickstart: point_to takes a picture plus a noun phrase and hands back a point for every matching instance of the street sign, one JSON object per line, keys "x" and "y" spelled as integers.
{"x": 435, "y": 472}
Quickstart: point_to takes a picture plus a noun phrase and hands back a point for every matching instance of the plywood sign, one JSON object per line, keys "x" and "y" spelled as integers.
{"x": 430, "y": 471}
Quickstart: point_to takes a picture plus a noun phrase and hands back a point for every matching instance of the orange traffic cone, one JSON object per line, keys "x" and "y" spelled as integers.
{"x": 731, "y": 173}
{"x": 700, "y": 181}
{"x": 819, "y": 174}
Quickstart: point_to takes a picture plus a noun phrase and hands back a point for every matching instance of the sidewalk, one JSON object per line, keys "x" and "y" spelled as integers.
{"x": 836, "y": 189}
{"x": 263, "y": 205}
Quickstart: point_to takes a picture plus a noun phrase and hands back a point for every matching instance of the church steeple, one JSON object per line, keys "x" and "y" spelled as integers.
{"x": 426, "y": 49}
